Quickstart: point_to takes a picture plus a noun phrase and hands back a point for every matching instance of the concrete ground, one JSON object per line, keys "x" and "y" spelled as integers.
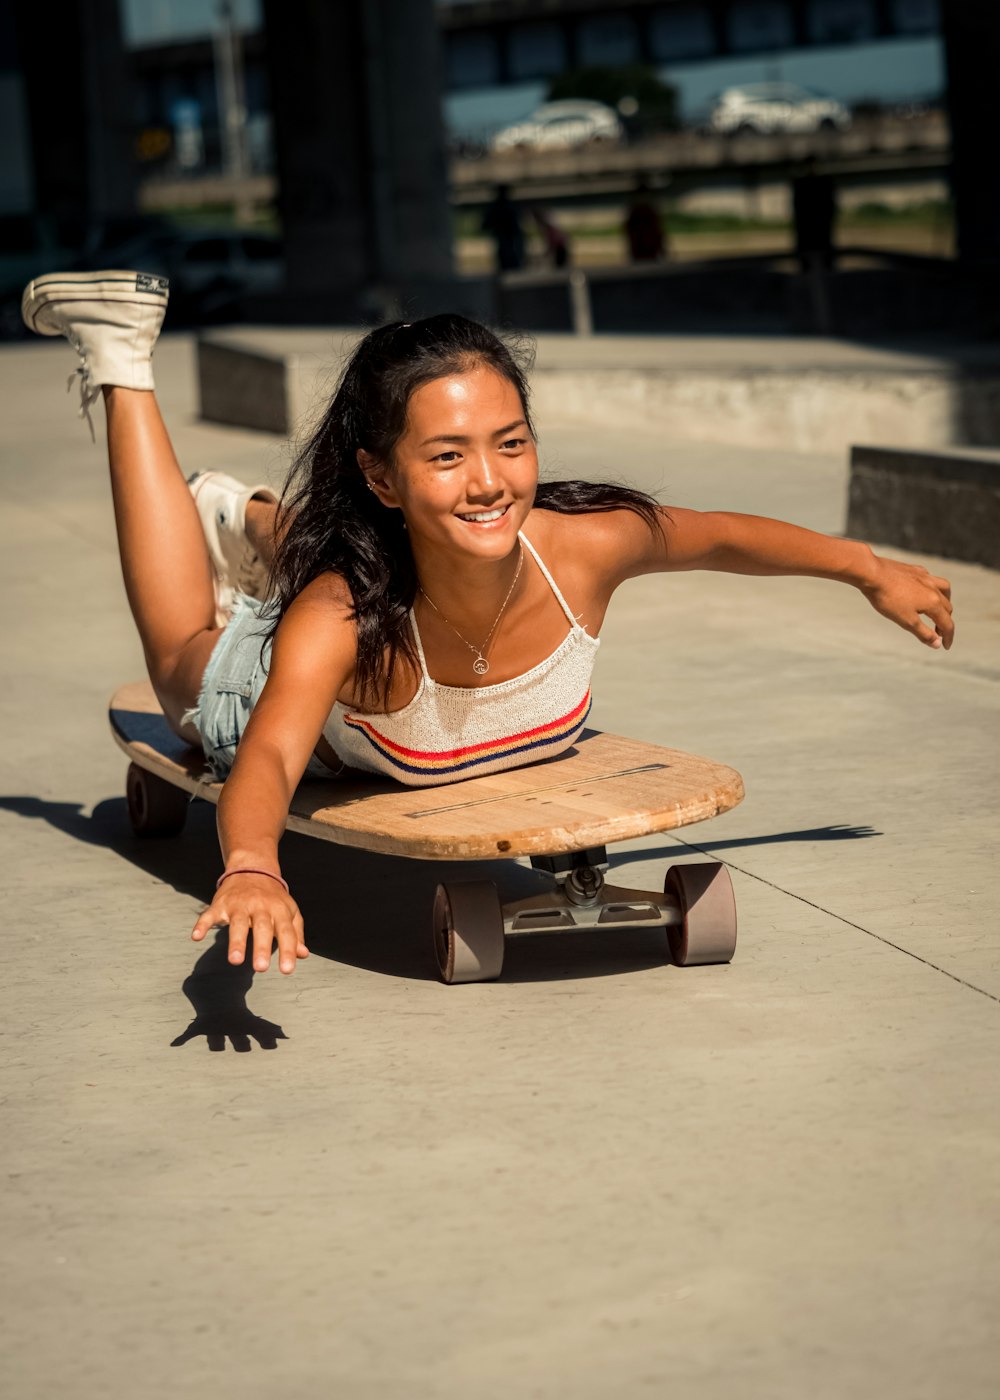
{"x": 602, "y": 1175}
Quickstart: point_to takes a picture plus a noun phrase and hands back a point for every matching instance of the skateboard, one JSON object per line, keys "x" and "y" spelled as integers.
{"x": 562, "y": 814}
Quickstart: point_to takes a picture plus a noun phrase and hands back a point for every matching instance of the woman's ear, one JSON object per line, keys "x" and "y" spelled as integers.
{"x": 374, "y": 474}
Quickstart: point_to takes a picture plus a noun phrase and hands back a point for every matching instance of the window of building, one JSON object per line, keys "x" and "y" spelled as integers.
{"x": 760, "y": 24}
{"x": 607, "y": 41}
{"x": 841, "y": 21}
{"x": 916, "y": 16}
{"x": 536, "y": 51}
{"x": 682, "y": 31}
{"x": 472, "y": 60}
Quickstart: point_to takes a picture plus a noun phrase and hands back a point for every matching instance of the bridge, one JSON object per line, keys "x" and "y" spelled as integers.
{"x": 869, "y": 147}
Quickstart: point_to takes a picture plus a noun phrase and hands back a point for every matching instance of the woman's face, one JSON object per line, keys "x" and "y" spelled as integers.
{"x": 465, "y": 468}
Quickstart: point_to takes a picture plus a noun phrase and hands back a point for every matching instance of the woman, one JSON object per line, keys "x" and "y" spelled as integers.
{"x": 435, "y": 609}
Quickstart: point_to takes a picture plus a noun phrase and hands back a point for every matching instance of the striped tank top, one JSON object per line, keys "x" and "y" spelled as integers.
{"x": 449, "y": 732}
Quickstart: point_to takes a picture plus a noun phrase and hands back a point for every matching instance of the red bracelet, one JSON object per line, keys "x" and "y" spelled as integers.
{"x": 244, "y": 871}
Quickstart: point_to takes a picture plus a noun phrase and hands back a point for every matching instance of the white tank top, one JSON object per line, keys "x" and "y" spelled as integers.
{"x": 449, "y": 732}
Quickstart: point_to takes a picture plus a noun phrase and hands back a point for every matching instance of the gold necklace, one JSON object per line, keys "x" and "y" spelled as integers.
{"x": 481, "y": 665}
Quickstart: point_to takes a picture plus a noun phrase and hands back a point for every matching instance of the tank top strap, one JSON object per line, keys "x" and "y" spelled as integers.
{"x": 549, "y": 579}
{"x": 419, "y": 645}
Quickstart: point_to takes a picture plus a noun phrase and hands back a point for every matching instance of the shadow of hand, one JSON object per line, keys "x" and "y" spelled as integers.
{"x": 217, "y": 991}
{"x": 239, "y": 1024}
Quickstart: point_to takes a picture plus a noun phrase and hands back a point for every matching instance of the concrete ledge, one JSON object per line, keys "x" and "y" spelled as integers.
{"x": 752, "y": 391}
{"x": 269, "y": 378}
{"x": 245, "y": 389}
{"x": 933, "y": 503}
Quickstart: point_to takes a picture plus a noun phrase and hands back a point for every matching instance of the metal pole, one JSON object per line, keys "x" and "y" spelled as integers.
{"x": 229, "y": 90}
{"x": 579, "y": 301}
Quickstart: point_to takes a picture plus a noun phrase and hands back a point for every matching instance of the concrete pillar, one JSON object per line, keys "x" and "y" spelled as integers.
{"x": 972, "y": 51}
{"x": 78, "y": 93}
{"x": 360, "y": 150}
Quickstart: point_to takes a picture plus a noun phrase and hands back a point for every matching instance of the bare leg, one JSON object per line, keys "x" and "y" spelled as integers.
{"x": 261, "y": 518}
{"x": 165, "y": 560}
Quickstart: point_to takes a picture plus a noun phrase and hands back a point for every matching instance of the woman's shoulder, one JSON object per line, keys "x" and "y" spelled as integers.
{"x": 324, "y": 609}
{"x": 591, "y": 538}
{"x": 317, "y": 634}
{"x": 328, "y": 592}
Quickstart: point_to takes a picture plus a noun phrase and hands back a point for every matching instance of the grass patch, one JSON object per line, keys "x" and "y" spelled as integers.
{"x": 928, "y": 213}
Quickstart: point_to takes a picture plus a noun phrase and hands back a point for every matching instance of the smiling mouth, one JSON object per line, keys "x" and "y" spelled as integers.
{"x": 485, "y": 517}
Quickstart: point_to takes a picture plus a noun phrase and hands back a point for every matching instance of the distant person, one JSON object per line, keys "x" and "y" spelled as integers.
{"x": 502, "y": 220}
{"x": 554, "y": 238}
{"x": 814, "y": 205}
{"x": 644, "y": 228}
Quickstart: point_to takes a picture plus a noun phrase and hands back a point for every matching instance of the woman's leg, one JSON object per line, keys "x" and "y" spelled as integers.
{"x": 261, "y": 520}
{"x": 112, "y": 319}
{"x": 165, "y": 561}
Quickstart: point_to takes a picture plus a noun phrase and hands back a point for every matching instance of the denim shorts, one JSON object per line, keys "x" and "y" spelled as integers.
{"x": 231, "y": 686}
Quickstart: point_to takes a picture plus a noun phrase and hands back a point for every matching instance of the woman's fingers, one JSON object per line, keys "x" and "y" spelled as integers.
{"x": 908, "y": 594}
{"x": 239, "y": 929}
{"x": 259, "y": 921}
{"x": 263, "y": 940}
{"x": 301, "y": 951}
{"x": 941, "y": 616}
{"x": 206, "y": 920}
{"x": 942, "y": 584}
{"x": 288, "y": 943}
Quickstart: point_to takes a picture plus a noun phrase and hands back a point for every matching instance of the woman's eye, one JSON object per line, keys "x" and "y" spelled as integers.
{"x": 513, "y": 442}
{"x": 446, "y": 457}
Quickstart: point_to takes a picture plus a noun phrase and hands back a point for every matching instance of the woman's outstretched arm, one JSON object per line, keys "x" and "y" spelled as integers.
{"x": 312, "y": 660}
{"x": 754, "y": 544}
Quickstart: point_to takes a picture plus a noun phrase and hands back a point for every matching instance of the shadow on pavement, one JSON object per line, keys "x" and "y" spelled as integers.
{"x": 218, "y": 993}
{"x": 366, "y": 910}
{"x": 839, "y": 832}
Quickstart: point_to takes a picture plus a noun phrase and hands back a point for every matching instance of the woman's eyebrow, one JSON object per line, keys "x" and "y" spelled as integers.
{"x": 461, "y": 437}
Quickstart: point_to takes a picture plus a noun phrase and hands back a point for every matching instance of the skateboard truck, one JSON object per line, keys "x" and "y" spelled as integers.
{"x": 696, "y": 909}
{"x": 584, "y": 899}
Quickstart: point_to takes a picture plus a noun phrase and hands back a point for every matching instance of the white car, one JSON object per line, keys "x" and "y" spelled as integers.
{"x": 766, "y": 108}
{"x": 559, "y": 126}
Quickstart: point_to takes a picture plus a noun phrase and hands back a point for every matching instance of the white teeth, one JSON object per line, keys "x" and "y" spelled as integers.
{"x": 486, "y": 515}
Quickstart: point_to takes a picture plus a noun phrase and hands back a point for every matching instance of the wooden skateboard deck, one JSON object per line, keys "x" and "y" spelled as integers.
{"x": 561, "y": 813}
{"x": 604, "y": 789}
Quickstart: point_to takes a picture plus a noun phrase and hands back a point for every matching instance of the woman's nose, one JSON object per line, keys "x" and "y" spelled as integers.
{"x": 483, "y": 478}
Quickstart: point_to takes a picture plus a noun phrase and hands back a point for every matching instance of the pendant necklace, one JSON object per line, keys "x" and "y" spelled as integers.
{"x": 481, "y": 665}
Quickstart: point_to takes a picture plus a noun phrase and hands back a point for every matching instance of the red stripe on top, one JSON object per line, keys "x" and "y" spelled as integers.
{"x": 426, "y": 754}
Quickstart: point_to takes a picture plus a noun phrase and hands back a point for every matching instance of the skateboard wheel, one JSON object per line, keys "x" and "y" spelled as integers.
{"x": 155, "y": 807}
{"x": 704, "y": 893}
{"x": 468, "y": 931}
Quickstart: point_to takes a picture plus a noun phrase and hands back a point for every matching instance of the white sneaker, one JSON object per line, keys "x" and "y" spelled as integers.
{"x": 222, "y": 507}
{"x": 111, "y": 319}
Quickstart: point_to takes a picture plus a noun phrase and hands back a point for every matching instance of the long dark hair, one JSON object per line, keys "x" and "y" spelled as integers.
{"x": 328, "y": 520}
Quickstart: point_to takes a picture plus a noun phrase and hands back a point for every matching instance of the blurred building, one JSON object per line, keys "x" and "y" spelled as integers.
{"x": 343, "y": 101}
{"x": 501, "y": 54}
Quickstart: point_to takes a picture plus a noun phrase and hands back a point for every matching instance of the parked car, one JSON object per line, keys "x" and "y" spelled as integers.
{"x": 766, "y": 108}
{"x": 560, "y": 126}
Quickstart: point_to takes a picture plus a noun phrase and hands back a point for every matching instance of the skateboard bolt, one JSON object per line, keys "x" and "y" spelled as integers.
{"x": 583, "y": 885}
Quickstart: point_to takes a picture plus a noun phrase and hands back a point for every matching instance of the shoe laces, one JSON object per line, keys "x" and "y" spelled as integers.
{"x": 88, "y": 390}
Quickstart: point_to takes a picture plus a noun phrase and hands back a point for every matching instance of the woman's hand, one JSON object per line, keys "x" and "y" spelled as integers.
{"x": 906, "y": 593}
{"x": 257, "y": 905}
